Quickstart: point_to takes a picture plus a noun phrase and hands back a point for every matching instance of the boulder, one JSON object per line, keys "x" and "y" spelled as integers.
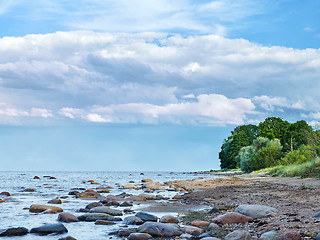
{"x": 146, "y": 180}
{"x": 111, "y": 203}
{"x": 290, "y": 235}
{"x": 124, "y": 232}
{"x": 41, "y": 208}
{"x": 88, "y": 195}
{"x": 213, "y": 226}
{"x": 115, "y": 219}
{"x": 146, "y": 217}
{"x": 238, "y": 234}
{"x": 10, "y": 232}
{"x": 104, "y": 222}
{"x": 57, "y": 228}
{"x": 232, "y": 217}
{"x": 67, "y": 238}
{"x": 157, "y": 229}
{"x": 132, "y": 220}
{"x": 93, "y": 205}
{"x": 126, "y": 204}
{"x": 129, "y": 186}
{"x": 169, "y": 219}
{"x": 194, "y": 231}
{"x": 67, "y": 217}
{"x": 92, "y": 217}
{"x": 256, "y": 211}
{"x": 55, "y": 201}
{"x": 103, "y": 209}
{"x": 317, "y": 215}
{"x": 268, "y": 235}
{"x": 152, "y": 185}
{"x": 199, "y": 223}
{"x": 139, "y": 236}
{"x": 5, "y": 194}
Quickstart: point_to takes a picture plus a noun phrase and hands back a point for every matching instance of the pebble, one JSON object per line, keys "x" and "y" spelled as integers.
{"x": 195, "y": 231}
{"x": 238, "y": 234}
{"x": 169, "y": 219}
{"x": 199, "y": 223}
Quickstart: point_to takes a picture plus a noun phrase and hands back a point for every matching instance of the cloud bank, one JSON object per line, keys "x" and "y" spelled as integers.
{"x": 154, "y": 78}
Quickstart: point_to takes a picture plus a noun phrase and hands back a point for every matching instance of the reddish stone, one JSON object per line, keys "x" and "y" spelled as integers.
{"x": 232, "y": 217}
{"x": 67, "y": 217}
{"x": 199, "y": 223}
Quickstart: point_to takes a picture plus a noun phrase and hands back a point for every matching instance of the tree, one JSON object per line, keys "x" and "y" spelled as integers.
{"x": 241, "y": 136}
{"x": 273, "y": 127}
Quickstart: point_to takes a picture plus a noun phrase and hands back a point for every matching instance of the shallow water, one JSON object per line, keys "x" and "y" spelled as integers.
{"x": 13, "y": 215}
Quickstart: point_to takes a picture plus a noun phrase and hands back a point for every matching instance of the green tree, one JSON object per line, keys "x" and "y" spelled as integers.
{"x": 241, "y": 136}
{"x": 273, "y": 127}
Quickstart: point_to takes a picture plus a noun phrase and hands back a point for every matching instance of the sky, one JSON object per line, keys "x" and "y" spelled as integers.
{"x": 146, "y": 85}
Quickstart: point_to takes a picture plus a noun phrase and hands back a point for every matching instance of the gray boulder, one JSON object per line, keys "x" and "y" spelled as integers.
{"x": 57, "y": 228}
{"x": 107, "y": 210}
{"x": 268, "y": 235}
{"x": 238, "y": 234}
{"x": 157, "y": 229}
{"x": 92, "y": 217}
{"x": 132, "y": 220}
{"x": 146, "y": 217}
{"x": 256, "y": 211}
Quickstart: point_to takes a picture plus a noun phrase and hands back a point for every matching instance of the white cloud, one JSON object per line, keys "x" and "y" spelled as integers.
{"x": 155, "y": 74}
{"x": 93, "y": 117}
{"x": 41, "y": 112}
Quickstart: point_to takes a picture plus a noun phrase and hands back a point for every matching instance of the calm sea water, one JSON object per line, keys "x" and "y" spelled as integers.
{"x": 13, "y": 215}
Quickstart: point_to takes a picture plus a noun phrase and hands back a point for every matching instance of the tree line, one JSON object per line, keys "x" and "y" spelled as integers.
{"x": 273, "y": 142}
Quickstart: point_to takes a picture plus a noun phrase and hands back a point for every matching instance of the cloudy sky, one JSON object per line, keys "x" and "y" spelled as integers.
{"x": 149, "y": 84}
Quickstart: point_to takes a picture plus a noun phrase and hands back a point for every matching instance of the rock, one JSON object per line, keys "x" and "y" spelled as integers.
{"x": 115, "y": 219}
{"x": 104, "y": 222}
{"x": 124, "y": 233}
{"x": 318, "y": 236}
{"x": 169, "y": 219}
{"x": 57, "y": 228}
{"x": 132, "y": 220}
{"x": 67, "y": 238}
{"x": 93, "y": 205}
{"x": 152, "y": 185}
{"x": 111, "y": 203}
{"x": 103, "y": 209}
{"x": 146, "y": 217}
{"x": 317, "y": 215}
{"x": 29, "y": 190}
{"x": 103, "y": 190}
{"x": 238, "y": 234}
{"x": 19, "y": 231}
{"x": 232, "y": 217}
{"x": 194, "y": 231}
{"x": 210, "y": 238}
{"x": 67, "y": 217}
{"x": 290, "y": 235}
{"x": 5, "y": 194}
{"x": 268, "y": 235}
{"x": 41, "y": 208}
{"x": 214, "y": 210}
{"x": 139, "y": 236}
{"x": 256, "y": 211}
{"x": 146, "y": 180}
{"x": 126, "y": 204}
{"x": 92, "y": 217}
{"x": 204, "y": 235}
{"x": 73, "y": 193}
{"x": 49, "y": 211}
{"x": 36, "y": 177}
{"x": 160, "y": 229}
{"x": 129, "y": 186}
{"x": 213, "y": 226}
{"x": 88, "y": 195}
{"x": 55, "y": 201}
{"x": 199, "y": 223}
{"x": 185, "y": 236}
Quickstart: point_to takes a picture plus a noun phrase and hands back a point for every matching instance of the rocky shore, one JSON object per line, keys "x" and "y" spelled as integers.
{"x": 231, "y": 207}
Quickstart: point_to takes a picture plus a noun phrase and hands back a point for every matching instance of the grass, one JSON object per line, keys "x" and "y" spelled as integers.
{"x": 309, "y": 169}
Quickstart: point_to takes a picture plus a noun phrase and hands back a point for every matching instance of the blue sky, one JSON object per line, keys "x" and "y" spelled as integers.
{"x": 126, "y": 85}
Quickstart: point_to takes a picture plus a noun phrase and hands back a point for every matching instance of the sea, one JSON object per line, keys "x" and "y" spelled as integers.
{"x": 14, "y": 211}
